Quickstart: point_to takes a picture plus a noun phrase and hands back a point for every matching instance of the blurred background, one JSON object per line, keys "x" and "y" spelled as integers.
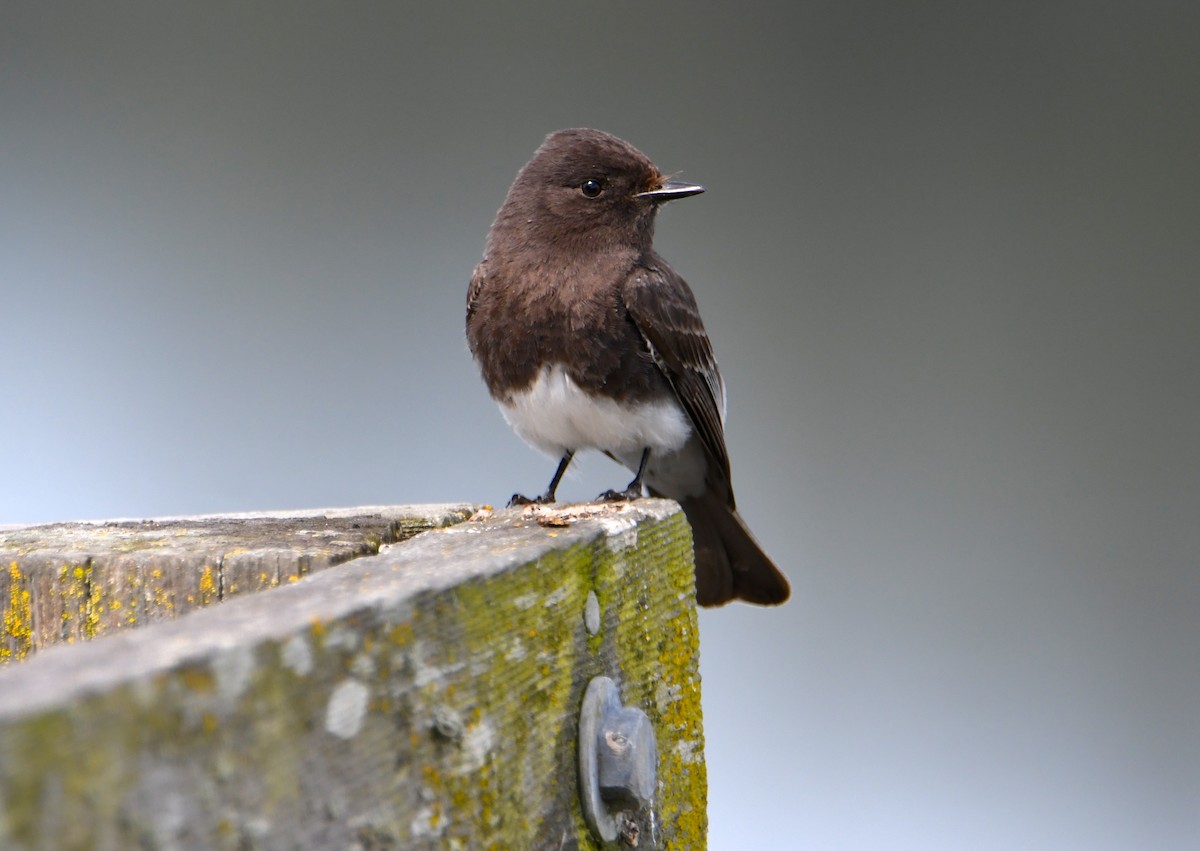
{"x": 948, "y": 258}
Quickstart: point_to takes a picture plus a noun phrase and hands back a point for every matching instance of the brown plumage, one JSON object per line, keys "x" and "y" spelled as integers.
{"x": 588, "y": 339}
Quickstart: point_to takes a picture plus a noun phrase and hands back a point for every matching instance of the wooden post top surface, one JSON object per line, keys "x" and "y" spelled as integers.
{"x": 66, "y": 582}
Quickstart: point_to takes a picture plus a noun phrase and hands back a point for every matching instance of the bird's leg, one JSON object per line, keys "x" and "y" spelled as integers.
{"x": 548, "y": 496}
{"x": 552, "y": 489}
{"x": 634, "y": 491}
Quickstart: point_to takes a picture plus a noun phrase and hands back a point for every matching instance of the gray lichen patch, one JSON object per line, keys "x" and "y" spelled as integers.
{"x": 346, "y": 709}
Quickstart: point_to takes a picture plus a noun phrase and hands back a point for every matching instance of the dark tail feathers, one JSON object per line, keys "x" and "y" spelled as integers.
{"x": 730, "y": 565}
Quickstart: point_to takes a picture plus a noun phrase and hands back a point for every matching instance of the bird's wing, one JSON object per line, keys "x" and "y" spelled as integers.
{"x": 477, "y": 278}
{"x": 664, "y": 310}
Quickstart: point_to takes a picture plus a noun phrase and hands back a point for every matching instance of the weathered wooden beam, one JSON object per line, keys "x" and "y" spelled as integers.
{"x": 424, "y": 697}
{"x": 64, "y": 582}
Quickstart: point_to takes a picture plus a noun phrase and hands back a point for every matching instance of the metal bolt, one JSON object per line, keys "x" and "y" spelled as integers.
{"x": 618, "y": 758}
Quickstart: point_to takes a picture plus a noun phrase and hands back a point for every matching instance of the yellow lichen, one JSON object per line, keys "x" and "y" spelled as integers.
{"x": 18, "y": 618}
{"x": 208, "y": 585}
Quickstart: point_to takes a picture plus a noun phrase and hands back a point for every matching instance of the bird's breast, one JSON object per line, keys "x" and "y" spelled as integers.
{"x": 522, "y": 321}
{"x": 554, "y": 414}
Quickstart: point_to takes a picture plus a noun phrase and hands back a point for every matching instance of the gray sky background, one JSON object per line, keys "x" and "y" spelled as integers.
{"x": 948, "y": 257}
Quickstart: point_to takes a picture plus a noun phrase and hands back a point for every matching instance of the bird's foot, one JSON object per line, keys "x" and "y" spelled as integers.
{"x": 520, "y": 499}
{"x": 635, "y": 490}
{"x": 629, "y": 493}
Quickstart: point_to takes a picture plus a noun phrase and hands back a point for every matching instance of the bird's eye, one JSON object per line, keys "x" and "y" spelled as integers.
{"x": 591, "y": 188}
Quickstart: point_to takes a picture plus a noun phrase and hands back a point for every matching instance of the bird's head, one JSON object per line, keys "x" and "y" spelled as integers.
{"x": 588, "y": 188}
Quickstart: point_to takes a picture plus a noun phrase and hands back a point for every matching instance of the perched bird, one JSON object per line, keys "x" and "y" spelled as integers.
{"x": 588, "y": 339}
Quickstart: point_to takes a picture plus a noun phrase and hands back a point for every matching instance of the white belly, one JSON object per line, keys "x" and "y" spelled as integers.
{"x": 554, "y": 415}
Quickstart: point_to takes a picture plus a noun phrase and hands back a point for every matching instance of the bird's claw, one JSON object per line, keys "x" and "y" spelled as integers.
{"x": 620, "y": 496}
{"x": 520, "y": 499}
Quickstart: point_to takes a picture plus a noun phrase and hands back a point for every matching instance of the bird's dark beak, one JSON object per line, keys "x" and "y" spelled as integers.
{"x": 670, "y": 190}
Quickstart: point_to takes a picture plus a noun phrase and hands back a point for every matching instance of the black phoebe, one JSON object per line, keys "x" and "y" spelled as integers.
{"x": 589, "y": 340}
